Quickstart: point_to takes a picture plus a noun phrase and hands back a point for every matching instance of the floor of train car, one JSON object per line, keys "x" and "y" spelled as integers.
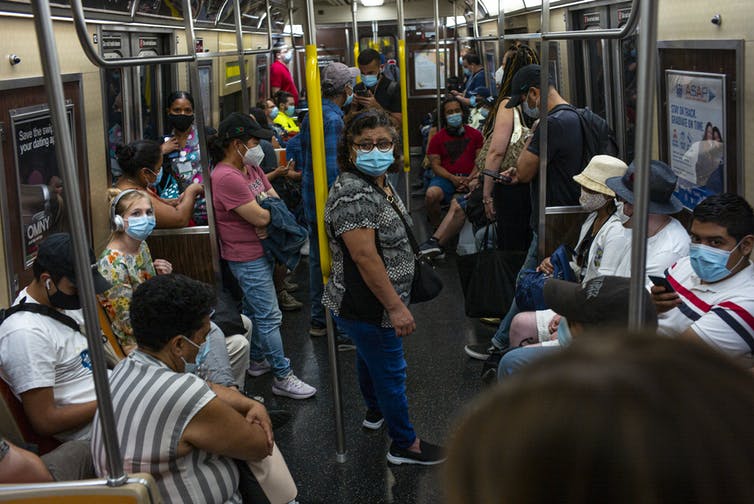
{"x": 441, "y": 381}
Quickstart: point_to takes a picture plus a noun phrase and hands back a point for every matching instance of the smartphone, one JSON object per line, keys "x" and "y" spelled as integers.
{"x": 291, "y": 164}
{"x": 361, "y": 89}
{"x": 497, "y": 176}
{"x": 662, "y": 282}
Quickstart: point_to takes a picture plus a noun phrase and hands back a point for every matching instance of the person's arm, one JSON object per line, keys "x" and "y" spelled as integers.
{"x": 22, "y": 466}
{"x": 252, "y": 410}
{"x": 274, "y": 89}
{"x": 239, "y": 439}
{"x": 363, "y": 251}
{"x": 169, "y": 216}
{"x": 49, "y": 419}
{"x": 254, "y": 214}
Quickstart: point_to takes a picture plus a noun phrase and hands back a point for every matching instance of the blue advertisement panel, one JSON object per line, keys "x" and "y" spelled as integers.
{"x": 696, "y": 131}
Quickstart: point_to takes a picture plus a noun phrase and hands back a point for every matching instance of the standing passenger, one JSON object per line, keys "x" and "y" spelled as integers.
{"x": 383, "y": 93}
{"x": 237, "y": 183}
{"x": 280, "y": 76}
{"x": 474, "y": 73}
{"x": 369, "y": 288}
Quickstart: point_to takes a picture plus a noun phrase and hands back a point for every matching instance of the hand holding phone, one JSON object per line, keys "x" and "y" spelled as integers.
{"x": 662, "y": 281}
{"x": 497, "y": 176}
{"x": 291, "y": 164}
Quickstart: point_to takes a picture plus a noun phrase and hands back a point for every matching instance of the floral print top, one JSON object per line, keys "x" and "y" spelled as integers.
{"x": 125, "y": 272}
{"x": 184, "y": 168}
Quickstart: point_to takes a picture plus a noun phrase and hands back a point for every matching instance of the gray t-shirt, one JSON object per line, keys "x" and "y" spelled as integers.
{"x": 354, "y": 204}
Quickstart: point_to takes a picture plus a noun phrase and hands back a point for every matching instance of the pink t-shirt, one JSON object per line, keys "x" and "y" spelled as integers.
{"x": 280, "y": 77}
{"x": 232, "y": 188}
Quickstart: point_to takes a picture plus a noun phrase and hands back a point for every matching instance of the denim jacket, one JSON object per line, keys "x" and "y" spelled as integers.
{"x": 284, "y": 236}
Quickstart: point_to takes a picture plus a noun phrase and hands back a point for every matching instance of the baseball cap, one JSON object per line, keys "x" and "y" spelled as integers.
{"x": 602, "y": 301}
{"x": 55, "y": 255}
{"x": 338, "y": 75}
{"x": 527, "y": 77}
{"x": 662, "y": 182}
{"x": 238, "y": 125}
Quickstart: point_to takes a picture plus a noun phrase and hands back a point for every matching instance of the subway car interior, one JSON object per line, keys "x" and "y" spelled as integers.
{"x": 80, "y": 79}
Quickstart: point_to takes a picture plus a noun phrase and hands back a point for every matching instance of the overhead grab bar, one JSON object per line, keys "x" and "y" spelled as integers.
{"x": 79, "y": 22}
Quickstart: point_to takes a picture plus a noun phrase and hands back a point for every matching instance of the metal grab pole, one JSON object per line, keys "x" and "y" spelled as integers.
{"x": 643, "y": 149}
{"x": 268, "y": 84}
{"x": 66, "y": 160}
{"x": 437, "y": 63}
{"x": 404, "y": 102}
{"x": 544, "y": 91}
{"x": 241, "y": 57}
{"x": 319, "y": 170}
{"x": 356, "y": 44}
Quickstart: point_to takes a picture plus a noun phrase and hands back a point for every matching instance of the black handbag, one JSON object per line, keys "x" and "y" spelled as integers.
{"x": 426, "y": 284}
{"x": 488, "y": 280}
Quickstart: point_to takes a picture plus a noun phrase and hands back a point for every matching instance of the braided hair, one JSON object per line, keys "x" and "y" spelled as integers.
{"x": 522, "y": 56}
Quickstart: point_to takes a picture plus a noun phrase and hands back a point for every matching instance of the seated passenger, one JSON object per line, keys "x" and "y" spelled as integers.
{"x": 270, "y": 113}
{"x": 451, "y": 153}
{"x": 21, "y": 466}
{"x": 141, "y": 163}
{"x": 667, "y": 239}
{"x": 713, "y": 300}
{"x": 169, "y": 422}
{"x": 126, "y": 262}
{"x": 601, "y": 247}
{"x": 181, "y": 165}
{"x": 614, "y": 418}
{"x": 287, "y": 116}
{"x": 43, "y": 359}
{"x": 481, "y": 103}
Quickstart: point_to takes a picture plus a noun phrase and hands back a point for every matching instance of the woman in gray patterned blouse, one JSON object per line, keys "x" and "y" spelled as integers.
{"x": 370, "y": 281}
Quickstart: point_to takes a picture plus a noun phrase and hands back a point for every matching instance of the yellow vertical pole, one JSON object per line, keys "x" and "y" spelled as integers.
{"x": 319, "y": 169}
{"x": 404, "y": 106}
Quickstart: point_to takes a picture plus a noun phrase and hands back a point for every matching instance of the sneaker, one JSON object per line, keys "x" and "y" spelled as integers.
{"x": 373, "y": 420}
{"x": 292, "y": 387}
{"x": 480, "y": 351}
{"x": 304, "y": 251}
{"x": 316, "y": 329}
{"x": 287, "y": 302}
{"x": 289, "y": 285}
{"x": 430, "y": 454}
{"x": 344, "y": 344}
{"x": 259, "y": 368}
{"x": 430, "y": 248}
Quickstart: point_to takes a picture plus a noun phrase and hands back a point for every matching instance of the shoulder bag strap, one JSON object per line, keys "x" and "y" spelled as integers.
{"x": 43, "y": 310}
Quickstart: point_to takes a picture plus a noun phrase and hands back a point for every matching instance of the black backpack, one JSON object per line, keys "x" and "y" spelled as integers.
{"x": 598, "y": 137}
{"x": 23, "y": 306}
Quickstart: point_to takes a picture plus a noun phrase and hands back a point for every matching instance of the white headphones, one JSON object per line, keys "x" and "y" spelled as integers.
{"x": 116, "y": 221}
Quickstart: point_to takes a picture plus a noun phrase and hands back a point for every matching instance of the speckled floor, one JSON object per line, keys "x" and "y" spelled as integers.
{"x": 441, "y": 381}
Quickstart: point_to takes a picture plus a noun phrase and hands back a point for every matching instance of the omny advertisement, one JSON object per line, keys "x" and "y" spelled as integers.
{"x": 696, "y": 130}
{"x": 40, "y": 185}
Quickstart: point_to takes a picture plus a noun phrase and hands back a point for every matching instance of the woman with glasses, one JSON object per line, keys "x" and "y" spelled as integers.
{"x": 370, "y": 281}
{"x": 141, "y": 163}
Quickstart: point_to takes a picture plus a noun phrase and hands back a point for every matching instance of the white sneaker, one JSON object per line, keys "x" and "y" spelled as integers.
{"x": 292, "y": 387}
{"x": 305, "y": 248}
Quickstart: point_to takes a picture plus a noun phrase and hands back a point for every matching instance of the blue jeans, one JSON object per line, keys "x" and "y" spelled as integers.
{"x": 501, "y": 339}
{"x": 382, "y": 375}
{"x": 317, "y": 314}
{"x": 260, "y": 303}
{"x": 519, "y": 358}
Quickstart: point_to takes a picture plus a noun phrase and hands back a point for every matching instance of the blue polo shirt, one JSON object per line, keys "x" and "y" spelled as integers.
{"x": 475, "y": 82}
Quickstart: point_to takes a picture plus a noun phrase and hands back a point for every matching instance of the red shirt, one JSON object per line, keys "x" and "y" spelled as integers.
{"x": 457, "y": 153}
{"x": 232, "y": 188}
{"x": 280, "y": 77}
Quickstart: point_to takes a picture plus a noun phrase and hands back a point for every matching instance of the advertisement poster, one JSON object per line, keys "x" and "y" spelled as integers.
{"x": 425, "y": 70}
{"x": 40, "y": 185}
{"x": 696, "y": 131}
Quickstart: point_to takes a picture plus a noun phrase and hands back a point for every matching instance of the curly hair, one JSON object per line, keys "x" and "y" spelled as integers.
{"x": 728, "y": 210}
{"x": 355, "y": 125}
{"x": 520, "y": 57}
{"x": 166, "y": 306}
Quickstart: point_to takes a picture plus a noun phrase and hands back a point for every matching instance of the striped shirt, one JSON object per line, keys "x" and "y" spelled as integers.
{"x": 152, "y": 406}
{"x": 720, "y": 313}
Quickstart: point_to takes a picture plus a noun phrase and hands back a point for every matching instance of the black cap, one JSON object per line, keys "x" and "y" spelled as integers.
{"x": 238, "y": 125}
{"x": 602, "y": 301}
{"x": 662, "y": 182}
{"x": 525, "y": 78}
{"x": 56, "y": 256}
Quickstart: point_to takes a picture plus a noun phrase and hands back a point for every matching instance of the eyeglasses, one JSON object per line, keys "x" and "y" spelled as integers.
{"x": 384, "y": 146}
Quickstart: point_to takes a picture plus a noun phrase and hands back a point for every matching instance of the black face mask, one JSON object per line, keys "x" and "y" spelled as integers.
{"x": 180, "y": 122}
{"x": 62, "y": 300}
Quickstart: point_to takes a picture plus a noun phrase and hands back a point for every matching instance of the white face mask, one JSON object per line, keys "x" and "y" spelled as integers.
{"x": 254, "y": 156}
{"x": 592, "y": 201}
{"x": 619, "y": 212}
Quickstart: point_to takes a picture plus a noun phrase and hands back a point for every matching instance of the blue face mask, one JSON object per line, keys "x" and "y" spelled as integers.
{"x": 472, "y": 101}
{"x": 466, "y": 72}
{"x": 348, "y": 101}
{"x": 290, "y": 111}
{"x": 274, "y": 112}
{"x": 158, "y": 178}
{"x": 485, "y": 112}
{"x": 287, "y": 57}
{"x": 196, "y": 366}
{"x": 454, "y": 120}
{"x": 370, "y": 80}
{"x": 374, "y": 162}
{"x": 711, "y": 264}
{"x": 564, "y": 333}
{"x": 532, "y": 112}
{"x": 139, "y": 228}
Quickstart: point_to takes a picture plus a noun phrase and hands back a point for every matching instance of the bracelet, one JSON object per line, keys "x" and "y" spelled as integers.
{"x": 487, "y": 200}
